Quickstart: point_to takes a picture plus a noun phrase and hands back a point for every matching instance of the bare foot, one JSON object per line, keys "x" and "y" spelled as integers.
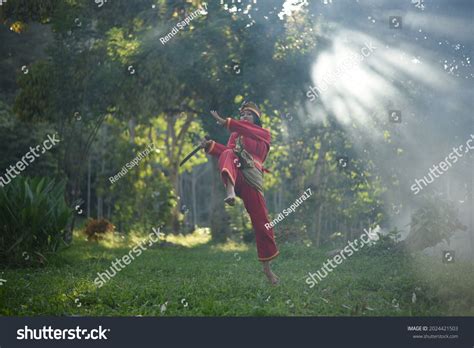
{"x": 272, "y": 278}
{"x": 230, "y": 200}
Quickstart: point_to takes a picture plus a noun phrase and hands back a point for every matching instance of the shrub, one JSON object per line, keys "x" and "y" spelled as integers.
{"x": 435, "y": 221}
{"x": 96, "y": 228}
{"x": 33, "y": 219}
{"x": 386, "y": 245}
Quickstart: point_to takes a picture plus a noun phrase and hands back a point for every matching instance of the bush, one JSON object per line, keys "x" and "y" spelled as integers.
{"x": 33, "y": 219}
{"x": 96, "y": 228}
{"x": 386, "y": 245}
{"x": 435, "y": 221}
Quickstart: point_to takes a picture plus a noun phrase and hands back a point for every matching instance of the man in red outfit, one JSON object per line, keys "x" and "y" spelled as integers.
{"x": 241, "y": 168}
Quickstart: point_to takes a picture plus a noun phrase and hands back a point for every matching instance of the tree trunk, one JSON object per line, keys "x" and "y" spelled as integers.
{"x": 99, "y": 207}
{"x": 470, "y": 202}
{"x": 219, "y": 217}
{"x": 313, "y": 232}
{"x": 193, "y": 193}
{"x": 100, "y": 198}
{"x": 131, "y": 128}
{"x": 89, "y": 188}
{"x": 175, "y": 211}
{"x": 318, "y": 225}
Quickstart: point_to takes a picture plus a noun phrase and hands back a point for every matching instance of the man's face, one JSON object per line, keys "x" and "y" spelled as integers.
{"x": 246, "y": 115}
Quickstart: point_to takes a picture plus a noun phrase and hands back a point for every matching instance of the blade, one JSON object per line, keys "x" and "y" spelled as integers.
{"x": 190, "y": 155}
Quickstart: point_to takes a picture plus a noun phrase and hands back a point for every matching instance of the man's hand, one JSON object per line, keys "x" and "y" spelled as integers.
{"x": 205, "y": 143}
{"x": 219, "y": 119}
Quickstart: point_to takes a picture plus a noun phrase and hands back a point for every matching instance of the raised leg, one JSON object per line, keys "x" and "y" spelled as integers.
{"x": 229, "y": 172}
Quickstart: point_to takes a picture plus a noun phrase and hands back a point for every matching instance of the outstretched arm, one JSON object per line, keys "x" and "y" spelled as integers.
{"x": 248, "y": 129}
{"x": 243, "y": 128}
{"x": 215, "y": 149}
{"x": 218, "y": 119}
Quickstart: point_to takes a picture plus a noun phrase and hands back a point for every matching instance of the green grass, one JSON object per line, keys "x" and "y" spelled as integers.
{"x": 206, "y": 280}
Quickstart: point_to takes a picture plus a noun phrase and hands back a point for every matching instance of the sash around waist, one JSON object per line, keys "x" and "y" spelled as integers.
{"x": 251, "y": 169}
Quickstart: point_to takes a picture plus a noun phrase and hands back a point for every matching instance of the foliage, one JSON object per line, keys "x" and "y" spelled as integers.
{"x": 142, "y": 198}
{"x": 35, "y": 100}
{"x": 33, "y": 217}
{"x": 387, "y": 244}
{"x": 107, "y": 65}
{"x": 435, "y": 221}
{"x": 25, "y": 10}
{"x": 17, "y": 137}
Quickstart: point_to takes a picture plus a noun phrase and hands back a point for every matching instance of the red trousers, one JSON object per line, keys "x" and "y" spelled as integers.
{"x": 254, "y": 203}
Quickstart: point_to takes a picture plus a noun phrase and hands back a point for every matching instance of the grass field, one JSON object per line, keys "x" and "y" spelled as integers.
{"x": 197, "y": 278}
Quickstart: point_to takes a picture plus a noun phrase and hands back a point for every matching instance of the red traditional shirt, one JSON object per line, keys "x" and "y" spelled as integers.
{"x": 256, "y": 140}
